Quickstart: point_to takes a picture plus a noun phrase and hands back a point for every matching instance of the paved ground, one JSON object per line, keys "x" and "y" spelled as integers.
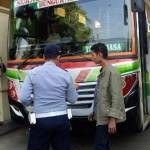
{"x": 17, "y": 140}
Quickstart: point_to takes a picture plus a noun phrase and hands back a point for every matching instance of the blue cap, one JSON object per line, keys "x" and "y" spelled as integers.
{"x": 52, "y": 50}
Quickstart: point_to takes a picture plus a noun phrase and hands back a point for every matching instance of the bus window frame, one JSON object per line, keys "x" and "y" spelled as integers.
{"x": 112, "y": 55}
{"x": 133, "y": 52}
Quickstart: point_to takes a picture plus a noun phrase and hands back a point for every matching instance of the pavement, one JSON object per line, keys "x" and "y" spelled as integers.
{"x": 81, "y": 140}
{"x": 8, "y": 127}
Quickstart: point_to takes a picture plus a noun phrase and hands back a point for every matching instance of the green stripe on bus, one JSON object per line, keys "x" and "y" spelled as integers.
{"x": 19, "y": 75}
{"x": 128, "y": 67}
{"x": 123, "y": 68}
{"x": 92, "y": 76}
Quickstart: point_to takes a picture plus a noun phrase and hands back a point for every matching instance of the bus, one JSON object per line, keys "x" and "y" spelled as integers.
{"x": 75, "y": 25}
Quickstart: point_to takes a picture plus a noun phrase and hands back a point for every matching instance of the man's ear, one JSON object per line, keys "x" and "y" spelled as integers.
{"x": 100, "y": 54}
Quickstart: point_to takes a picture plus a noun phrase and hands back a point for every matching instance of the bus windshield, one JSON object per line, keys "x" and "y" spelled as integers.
{"x": 75, "y": 25}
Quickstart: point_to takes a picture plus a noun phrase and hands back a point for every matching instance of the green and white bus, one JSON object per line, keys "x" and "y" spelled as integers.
{"x": 123, "y": 25}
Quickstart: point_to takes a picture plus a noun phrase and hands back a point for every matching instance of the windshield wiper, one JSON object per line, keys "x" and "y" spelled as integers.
{"x": 24, "y": 62}
{"x": 83, "y": 58}
{"x": 63, "y": 55}
{"x": 75, "y": 53}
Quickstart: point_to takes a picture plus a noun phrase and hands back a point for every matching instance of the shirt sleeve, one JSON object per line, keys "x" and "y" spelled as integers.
{"x": 95, "y": 100}
{"x": 71, "y": 92}
{"x": 95, "y": 94}
{"x": 116, "y": 95}
{"x": 26, "y": 91}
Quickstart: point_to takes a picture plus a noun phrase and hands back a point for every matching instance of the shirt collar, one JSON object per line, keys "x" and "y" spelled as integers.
{"x": 49, "y": 63}
{"x": 104, "y": 69}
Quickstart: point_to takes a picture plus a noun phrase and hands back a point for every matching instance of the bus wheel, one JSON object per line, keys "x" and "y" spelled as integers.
{"x": 134, "y": 117}
{"x": 17, "y": 119}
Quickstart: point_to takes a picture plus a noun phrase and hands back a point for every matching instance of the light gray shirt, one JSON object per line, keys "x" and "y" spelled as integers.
{"x": 51, "y": 88}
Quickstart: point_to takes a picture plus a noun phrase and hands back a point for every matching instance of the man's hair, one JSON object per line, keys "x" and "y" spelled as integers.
{"x": 100, "y": 48}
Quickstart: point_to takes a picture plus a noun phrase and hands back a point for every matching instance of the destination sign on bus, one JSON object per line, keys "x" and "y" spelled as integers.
{"x": 42, "y": 3}
{"x": 113, "y": 47}
{"x": 19, "y": 3}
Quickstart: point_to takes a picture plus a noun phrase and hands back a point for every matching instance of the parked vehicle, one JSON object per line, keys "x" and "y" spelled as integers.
{"x": 75, "y": 25}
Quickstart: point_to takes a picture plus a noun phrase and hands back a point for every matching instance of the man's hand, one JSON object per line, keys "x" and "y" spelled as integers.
{"x": 112, "y": 126}
{"x": 91, "y": 117}
{"x": 76, "y": 86}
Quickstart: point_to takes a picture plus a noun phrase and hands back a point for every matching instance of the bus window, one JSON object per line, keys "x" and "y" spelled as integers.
{"x": 75, "y": 26}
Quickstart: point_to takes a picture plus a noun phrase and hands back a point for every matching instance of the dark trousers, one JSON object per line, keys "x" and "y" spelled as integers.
{"x": 102, "y": 138}
{"x": 48, "y": 131}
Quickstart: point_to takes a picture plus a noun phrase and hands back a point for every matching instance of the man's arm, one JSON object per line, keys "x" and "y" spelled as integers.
{"x": 72, "y": 95}
{"x": 92, "y": 117}
{"x": 116, "y": 95}
{"x": 116, "y": 101}
{"x": 26, "y": 91}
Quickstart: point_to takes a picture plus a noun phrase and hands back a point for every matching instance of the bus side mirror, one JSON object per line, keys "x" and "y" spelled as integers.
{"x": 2, "y": 68}
{"x": 125, "y": 9}
{"x": 137, "y": 5}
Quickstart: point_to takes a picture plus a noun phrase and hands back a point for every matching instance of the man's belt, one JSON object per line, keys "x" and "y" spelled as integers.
{"x": 51, "y": 114}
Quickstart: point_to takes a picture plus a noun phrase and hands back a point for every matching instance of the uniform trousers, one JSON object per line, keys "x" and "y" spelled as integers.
{"x": 48, "y": 131}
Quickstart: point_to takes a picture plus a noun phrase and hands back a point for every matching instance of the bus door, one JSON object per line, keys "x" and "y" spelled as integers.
{"x": 144, "y": 37}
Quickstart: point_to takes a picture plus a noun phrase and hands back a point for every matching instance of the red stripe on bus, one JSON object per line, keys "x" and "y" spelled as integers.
{"x": 68, "y": 65}
{"x": 82, "y": 75}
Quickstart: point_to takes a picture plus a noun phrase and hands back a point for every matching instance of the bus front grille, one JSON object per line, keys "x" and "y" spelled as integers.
{"x": 86, "y": 91}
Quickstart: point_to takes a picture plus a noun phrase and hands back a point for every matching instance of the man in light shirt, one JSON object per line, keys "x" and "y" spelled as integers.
{"x": 109, "y": 108}
{"x": 51, "y": 88}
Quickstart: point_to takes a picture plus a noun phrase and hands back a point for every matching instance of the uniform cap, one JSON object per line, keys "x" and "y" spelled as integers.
{"x": 52, "y": 50}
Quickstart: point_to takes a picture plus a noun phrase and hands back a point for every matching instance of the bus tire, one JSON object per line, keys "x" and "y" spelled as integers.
{"x": 18, "y": 119}
{"x": 134, "y": 115}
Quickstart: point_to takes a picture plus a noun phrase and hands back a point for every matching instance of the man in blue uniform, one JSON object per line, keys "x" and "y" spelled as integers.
{"x": 51, "y": 88}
